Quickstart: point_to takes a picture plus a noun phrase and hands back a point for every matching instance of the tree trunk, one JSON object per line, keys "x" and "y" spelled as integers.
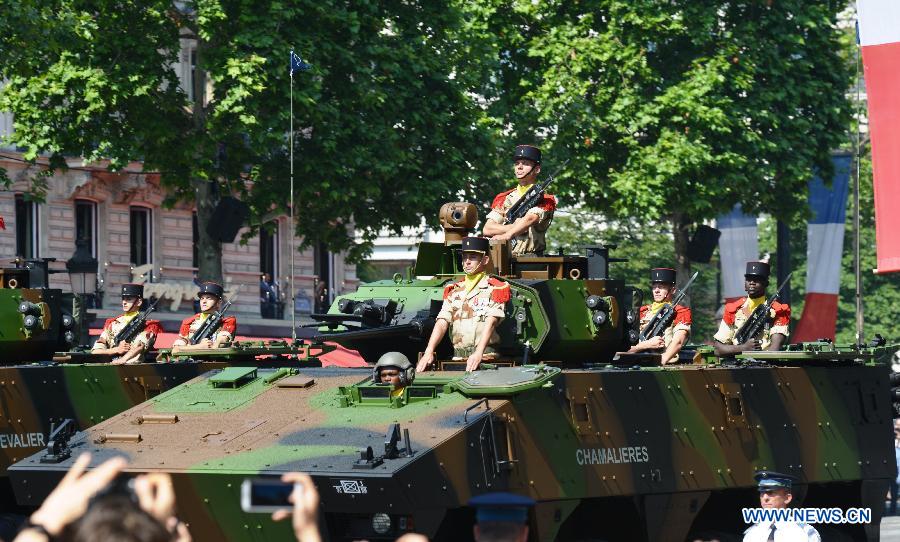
{"x": 681, "y": 232}
{"x": 209, "y": 250}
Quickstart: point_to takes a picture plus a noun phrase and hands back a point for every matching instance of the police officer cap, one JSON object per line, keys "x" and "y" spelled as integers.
{"x": 768, "y": 480}
{"x": 475, "y": 244}
{"x": 529, "y": 152}
{"x": 502, "y": 507}
{"x": 132, "y": 290}
{"x": 662, "y": 274}
{"x": 757, "y": 269}
{"x": 211, "y": 288}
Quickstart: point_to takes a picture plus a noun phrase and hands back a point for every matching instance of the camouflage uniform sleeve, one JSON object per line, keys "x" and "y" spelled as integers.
{"x": 497, "y": 213}
{"x": 781, "y": 318}
{"x": 104, "y": 338}
{"x": 725, "y": 334}
{"x": 152, "y": 329}
{"x": 446, "y": 311}
{"x": 500, "y": 294}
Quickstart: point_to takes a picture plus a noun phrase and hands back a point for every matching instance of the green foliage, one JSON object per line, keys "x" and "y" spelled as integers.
{"x": 385, "y": 129}
{"x": 678, "y": 106}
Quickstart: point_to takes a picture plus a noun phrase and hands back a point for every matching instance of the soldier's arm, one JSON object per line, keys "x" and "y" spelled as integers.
{"x": 440, "y": 328}
{"x": 475, "y": 359}
{"x": 777, "y": 341}
{"x": 492, "y": 227}
{"x": 518, "y": 227}
{"x": 678, "y": 340}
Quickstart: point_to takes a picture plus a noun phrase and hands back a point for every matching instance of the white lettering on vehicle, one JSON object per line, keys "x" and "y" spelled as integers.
{"x": 21, "y": 440}
{"x": 606, "y": 456}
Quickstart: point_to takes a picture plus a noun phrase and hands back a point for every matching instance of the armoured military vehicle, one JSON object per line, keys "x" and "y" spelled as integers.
{"x": 611, "y": 447}
{"x": 47, "y": 382}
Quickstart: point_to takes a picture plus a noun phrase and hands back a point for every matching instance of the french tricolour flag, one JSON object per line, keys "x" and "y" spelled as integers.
{"x": 879, "y": 35}
{"x": 738, "y": 244}
{"x": 824, "y": 248}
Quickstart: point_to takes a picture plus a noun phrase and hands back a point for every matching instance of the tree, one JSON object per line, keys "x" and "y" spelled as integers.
{"x": 385, "y": 129}
{"x": 673, "y": 110}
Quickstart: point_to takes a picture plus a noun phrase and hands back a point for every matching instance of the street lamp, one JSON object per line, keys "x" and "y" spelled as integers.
{"x": 82, "y": 268}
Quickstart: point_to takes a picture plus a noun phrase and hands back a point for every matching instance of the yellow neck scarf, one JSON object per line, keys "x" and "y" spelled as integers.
{"x": 522, "y": 189}
{"x": 128, "y": 316}
{"x": 755, "y": 302}
{"x": 657, "y": 305}
{"x": 473, "y": 280}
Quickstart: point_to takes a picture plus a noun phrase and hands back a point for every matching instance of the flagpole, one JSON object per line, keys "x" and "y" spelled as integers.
{"x": 856, "y": 259}
{"x": 293, "y": 226}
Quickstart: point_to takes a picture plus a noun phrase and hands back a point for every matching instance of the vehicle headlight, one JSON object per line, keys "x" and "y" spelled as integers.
{"x": 381, "y": 523}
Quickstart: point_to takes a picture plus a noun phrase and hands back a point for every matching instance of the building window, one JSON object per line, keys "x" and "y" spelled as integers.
{"x": 268, "y": 250}
{"x": 86, "y": 223}
{"x": 195, "y": 236}
{"x": 26, "y": 228}
{"x": 141, "y": 247}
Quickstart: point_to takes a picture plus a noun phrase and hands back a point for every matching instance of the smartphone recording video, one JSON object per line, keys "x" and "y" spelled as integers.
{"x": 266, "y": 495}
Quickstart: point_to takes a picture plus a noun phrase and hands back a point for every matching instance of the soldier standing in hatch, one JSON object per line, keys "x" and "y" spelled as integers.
{"x": 774, "y": 334}
{"x": 210, "y": 295}
{"x": 127, "y": 352}
{"x": 662, "y": 284}
{"x": 472, "y": 309}
{"x": 527, "y": 233}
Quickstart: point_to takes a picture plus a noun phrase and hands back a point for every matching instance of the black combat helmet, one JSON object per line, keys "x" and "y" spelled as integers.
{"x": 529, "y": 152}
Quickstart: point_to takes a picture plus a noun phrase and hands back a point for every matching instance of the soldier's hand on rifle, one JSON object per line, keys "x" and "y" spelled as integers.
{"x": 425, "y": 362}
{"x": 206, "y": 343}
{"x": 655, "y": 342}
{"x": 752, "y": 344}
{"x": 122, "y": 348}
{"x": 502, "y": 237}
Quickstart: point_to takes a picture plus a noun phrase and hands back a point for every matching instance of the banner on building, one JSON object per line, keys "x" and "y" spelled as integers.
{"x": 824, "y": 249}
{"x": 879, "y": 37}
{"x": 738, "y": 244}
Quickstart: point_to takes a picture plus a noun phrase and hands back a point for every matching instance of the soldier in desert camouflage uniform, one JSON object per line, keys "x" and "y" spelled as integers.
{"x": 773, "y": 336}
{"x": 662, "y": 283}
{"x": 529, "y": 232}
{"x": 133, "y": 352}
{"x": 210, "y": 295}
{"x": 472, "y": 309}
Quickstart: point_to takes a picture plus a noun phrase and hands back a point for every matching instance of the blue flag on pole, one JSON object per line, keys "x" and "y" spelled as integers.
{"x": 297, "y": 63}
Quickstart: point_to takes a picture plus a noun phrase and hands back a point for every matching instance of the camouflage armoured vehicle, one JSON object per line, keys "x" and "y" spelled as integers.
{"x": 45, "y": 379}
{"x": 611, "y": 448}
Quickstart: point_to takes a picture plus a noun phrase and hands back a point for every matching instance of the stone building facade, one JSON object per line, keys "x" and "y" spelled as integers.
{"x": 135, "y": 239}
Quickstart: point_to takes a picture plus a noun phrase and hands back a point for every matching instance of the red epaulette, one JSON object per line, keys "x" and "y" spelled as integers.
{"x": 642, "y": 311}
{"x": 682, "y": 315}
{"x": 782, "y": 313}
{"x": 501, "y": 292}
{"x": 501, "y": 197}
{"x": 108, "y": 322}
{"x": 185, "y": 328}
{"x": 449, "y": 288}
{"x": 548, "y": 203}
{"x": 153, "y": 327}
{"x": 229, "y": 324}
{"x": 731, "y": 310}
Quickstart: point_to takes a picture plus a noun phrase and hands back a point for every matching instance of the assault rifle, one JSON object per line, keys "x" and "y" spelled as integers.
{"x": 531, "y": 198}
{"x": 664, "y": 316}
{"x": 135, "y": 326}
{"x": 760, "y": 317}
{"x": 213, "y": 323}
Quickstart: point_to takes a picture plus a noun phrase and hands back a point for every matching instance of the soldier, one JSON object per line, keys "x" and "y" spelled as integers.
{"x": 395, "y": 369}
{"x": 210, "y": 295}
{"x": 528, "y": 232}
{"x": 501, "y": 516}
{"x": 756, "y": 280}
{"x": 662, "y": 284}
{"x": 473, "y": 308}
{"x": 775, "y": 493}
{"x": 127, "y": 352}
